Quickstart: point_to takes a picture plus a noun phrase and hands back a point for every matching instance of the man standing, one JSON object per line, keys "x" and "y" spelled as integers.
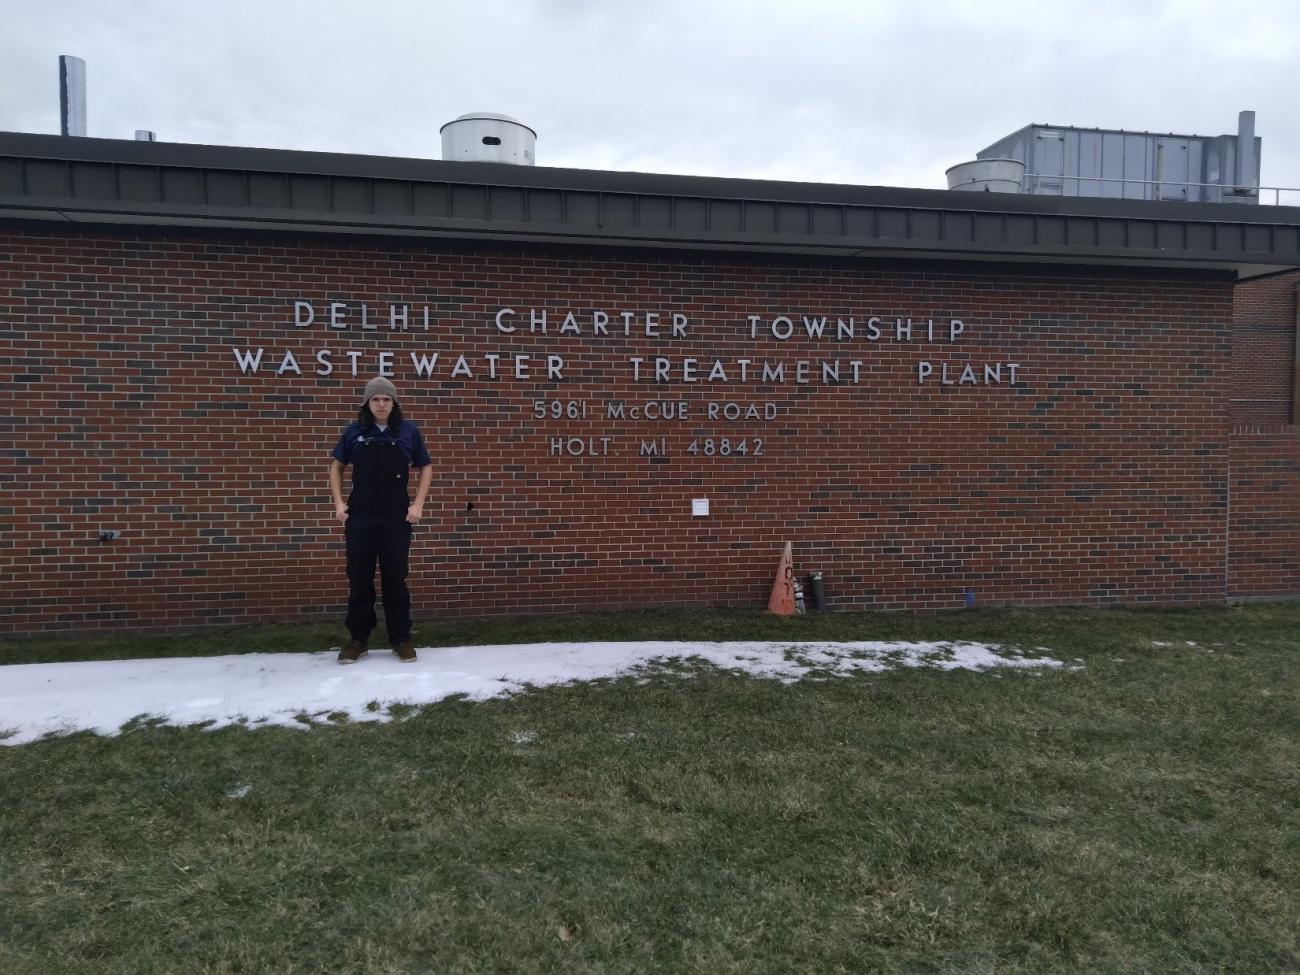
{"x": 382, "y": 447}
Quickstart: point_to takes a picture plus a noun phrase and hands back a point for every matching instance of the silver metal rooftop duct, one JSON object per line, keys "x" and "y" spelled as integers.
{"x": 488, "y": 137}
{"x": 1247, "y": 183}
{"x": 72, "y": 95}
{"x": 144, "y": 135}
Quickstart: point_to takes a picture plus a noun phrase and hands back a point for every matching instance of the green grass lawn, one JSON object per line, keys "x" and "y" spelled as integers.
{"x": 1137, "y": 814}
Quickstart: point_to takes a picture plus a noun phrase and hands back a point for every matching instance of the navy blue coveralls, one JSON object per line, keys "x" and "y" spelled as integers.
{"x": 377, "y": 529}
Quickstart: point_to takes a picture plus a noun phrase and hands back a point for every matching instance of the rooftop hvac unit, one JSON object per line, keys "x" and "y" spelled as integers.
{"x": 487, "y": 137}
{"x": 987, "y": 176}
{"x": 1121, "y": 164}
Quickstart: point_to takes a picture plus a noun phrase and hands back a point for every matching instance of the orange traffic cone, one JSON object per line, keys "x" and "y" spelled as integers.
{"x": 781, "y": 601}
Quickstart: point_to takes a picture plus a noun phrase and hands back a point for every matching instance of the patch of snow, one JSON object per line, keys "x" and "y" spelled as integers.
{"x": 294, "y": 690}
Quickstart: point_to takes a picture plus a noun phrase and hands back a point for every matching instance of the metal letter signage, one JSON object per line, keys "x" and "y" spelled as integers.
{"x": 661, "y": 327}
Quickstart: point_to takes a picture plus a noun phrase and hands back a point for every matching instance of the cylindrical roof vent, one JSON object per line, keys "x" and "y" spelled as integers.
{"x": 1247, "y": 183}
{"x": 987, "y": 175}
{"x": 487, "y": 137}
{"x": 72, "y": 95}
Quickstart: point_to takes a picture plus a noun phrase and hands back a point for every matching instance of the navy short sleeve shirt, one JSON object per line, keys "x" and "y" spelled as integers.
{"x": 407, "y": 438}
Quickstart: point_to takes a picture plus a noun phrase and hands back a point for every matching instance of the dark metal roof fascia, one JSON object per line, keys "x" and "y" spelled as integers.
{"x": 109, "y": 181}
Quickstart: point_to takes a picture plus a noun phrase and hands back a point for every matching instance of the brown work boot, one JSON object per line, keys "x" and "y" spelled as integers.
{"x": 352, "y": 652}
{"x": 405, "y": 652}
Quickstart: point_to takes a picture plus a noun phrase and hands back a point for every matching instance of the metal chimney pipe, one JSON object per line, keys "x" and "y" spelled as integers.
{"x": 144, "y": 135}
{"x": 72, "y": 95}
{"x": 1247, "y": 181}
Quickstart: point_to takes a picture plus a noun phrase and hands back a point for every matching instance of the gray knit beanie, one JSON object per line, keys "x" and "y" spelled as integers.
{"x": 377, "y": 386}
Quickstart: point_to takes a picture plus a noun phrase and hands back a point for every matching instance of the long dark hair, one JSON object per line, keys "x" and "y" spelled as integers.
{"x": 368, "y": 419}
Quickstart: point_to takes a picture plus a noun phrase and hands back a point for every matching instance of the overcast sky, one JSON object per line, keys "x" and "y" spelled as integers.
{"x": 883, "y": 92}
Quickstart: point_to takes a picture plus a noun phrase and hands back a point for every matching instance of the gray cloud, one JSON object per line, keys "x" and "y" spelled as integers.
{"x": 877, "y": 92}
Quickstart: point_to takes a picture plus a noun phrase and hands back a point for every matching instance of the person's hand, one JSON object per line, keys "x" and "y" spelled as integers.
{"x": 341, "y": 511}
{"x": 415, "y": 512}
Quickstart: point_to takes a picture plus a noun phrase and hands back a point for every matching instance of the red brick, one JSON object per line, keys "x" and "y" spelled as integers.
{"x": 1105, "y": 477}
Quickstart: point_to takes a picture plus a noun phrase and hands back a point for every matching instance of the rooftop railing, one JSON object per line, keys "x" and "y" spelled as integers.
{"x": 1047, "y": 184}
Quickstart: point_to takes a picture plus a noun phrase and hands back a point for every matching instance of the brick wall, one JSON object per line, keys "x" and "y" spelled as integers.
{"x": 1264, "y": 540}
{"x": 1099, "y": 476}
{"x": 1263, "y": 348}
{"x": 1264, "y": 550}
